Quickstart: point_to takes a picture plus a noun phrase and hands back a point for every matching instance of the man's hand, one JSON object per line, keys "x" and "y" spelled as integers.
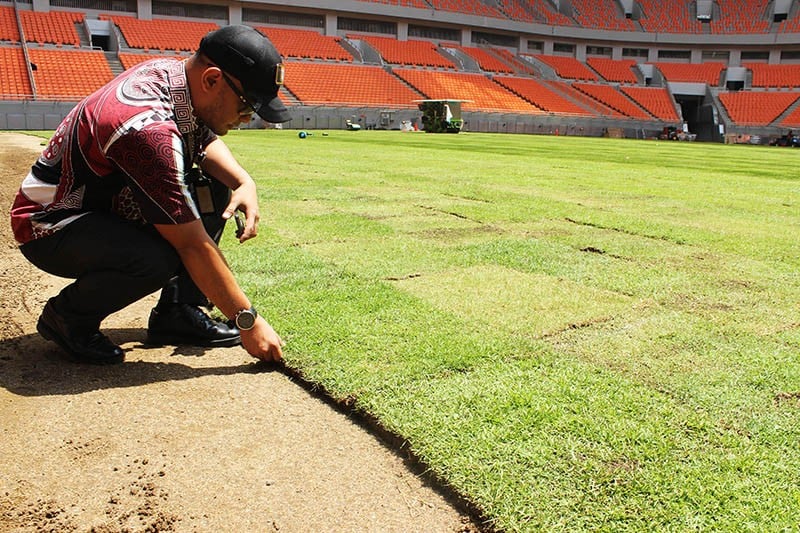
{"x": 245, "y": 200}
{"x": 262, "y": 342}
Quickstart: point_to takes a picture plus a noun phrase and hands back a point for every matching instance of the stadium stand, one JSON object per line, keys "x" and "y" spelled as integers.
{"x": 542, "y": 96}
{"x": 347, "y": 85}
{"x": 741, "y": 16}
{"x": 485, "y": 59}
{"x": 591, "y": 103}
{"x": 709, "y": 72}
{"x": 8, "y": 25}
{"x": 515, "y": 10}
{"x": 411, "y": 52}
{"x": 756, "y": 108}
{"x": 601, "y": 14}
{"x": 54, "y": 27}
{"x": 404, "y": 3}
{"x": 614, "y": 99}
{"x": 792, "y": 120}
{"x": 482, "y": 93}
{"x": 656, "y": 100}
{"x": 161, "y": 34}
{"x": 544, "y": 12}
{"x": 129, "y": 59}
{"x": 14, "y": 83}
{"x": 307, "y": 44}
{"x": 566, "y": 67}
{"x": 774, "y": 76}
{"x": 669, "y": 17}
{"x": 615, "y": 70}
{"x": 88, "y": 70}
{"x": 469, "y": 7}
{"x": 523, "y": 67}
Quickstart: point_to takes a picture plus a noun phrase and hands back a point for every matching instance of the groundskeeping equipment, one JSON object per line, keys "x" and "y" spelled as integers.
{"x": 441, "y": 116}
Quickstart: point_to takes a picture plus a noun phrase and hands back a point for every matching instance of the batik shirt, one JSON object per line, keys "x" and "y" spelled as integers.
{"x": 124, "y": 149}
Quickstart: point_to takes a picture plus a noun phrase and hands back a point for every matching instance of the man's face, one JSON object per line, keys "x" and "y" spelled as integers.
{"x": 228, "y": 108}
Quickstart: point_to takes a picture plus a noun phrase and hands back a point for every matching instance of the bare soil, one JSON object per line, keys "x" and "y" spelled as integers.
{"x": 176, "y": 438}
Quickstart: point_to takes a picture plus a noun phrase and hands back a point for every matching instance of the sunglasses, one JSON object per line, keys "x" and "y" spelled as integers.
{"x": 246, "y": 106}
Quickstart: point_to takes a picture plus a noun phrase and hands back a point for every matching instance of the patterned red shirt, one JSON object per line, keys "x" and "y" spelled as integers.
{"x": 124, "y": 149}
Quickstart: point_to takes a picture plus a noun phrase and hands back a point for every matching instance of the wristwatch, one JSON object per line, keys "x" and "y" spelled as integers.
{"x": 246, "y": 318}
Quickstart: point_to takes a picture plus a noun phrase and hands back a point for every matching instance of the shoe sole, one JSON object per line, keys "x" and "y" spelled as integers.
{"x": 171, "y": 340}
{"x": 49, "y": 334}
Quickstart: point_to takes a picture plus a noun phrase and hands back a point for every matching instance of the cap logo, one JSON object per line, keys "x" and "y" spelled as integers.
{"x": 279, "y": 74}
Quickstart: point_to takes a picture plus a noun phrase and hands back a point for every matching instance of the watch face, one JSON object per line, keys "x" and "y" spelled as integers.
{"x": 245, "y": 320}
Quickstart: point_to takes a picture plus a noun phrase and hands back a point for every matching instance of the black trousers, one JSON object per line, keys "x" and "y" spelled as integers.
{"x": 115, "y": 262}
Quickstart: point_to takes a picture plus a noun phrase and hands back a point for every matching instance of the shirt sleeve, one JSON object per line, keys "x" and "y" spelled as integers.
{"x": 152, "y": 161}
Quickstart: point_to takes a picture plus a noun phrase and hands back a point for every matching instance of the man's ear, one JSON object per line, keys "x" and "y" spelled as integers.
{"x": 211, "y": 77}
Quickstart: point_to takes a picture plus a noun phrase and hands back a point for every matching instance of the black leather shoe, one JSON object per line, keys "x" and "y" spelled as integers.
{"x": 83, "y": 346}
{"x": 189, "y": 325}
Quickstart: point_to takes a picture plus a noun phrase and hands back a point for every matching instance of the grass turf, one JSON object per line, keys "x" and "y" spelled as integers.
{"x": 576, "y": 334}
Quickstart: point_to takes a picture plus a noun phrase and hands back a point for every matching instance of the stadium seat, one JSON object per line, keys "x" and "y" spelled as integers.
{"x": 614, "y": 70}
{"x": 481, "y": 92}
{"x": 669, "y": 17}
{"x": 656, "y": 100}
{"x": 411, "y": 52}
{"x": 469, "y": 7}
{"x": 709, "y": 72}
{"x": 756, "y": 108}
{"x": 741, "y": 16}
{"x": 601, "y": 14}
{"x": 614, "y": 99}
{"x": 774, "y": 76}
{"x": 14, "y": 83}
{"x": 315, "y": 83}
{"x": 542, "y": 96}
{"x": 485, "y": 59}
{"x": 161, "y": 34}
{"x": 566, "y": 67}
{"x": 308, "y": 44}
{"x": 8, "y": 25}
{"x": 89, "y": 70}
{"x": 53, "y": 27}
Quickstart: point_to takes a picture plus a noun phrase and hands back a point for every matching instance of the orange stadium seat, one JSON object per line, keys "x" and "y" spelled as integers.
{"x": 741, "y": 16}
{"x": 14, "y": 82}
{"x": 8, "y": 25}
{"x": 129, "y": 60}
{"x": 584, "y": 99}
{"x": 567, "y": 67}
{"x": 515, "y": 10}
{"x": 404, "y": 3}
{"x": 348, "y": 85}
{"x": 601, "y": 14}
{"x": 411, "y": 52}
{"x": 669, "y": 17}
{"x": 542, "y": 96}
{"x": 614, "y": 99}
{"x": 485, "y": 59}
{"x": 54, "y": 27}
{"x": 470, "y": 7}
{"x": 776, "y": 76}
{"x": 656, "y": 100}
{"x": 750, "y": 108}
{"x": 617, "y": 70}
{"x": 708, "y": 73}
{"x": 307, "y": 44}
{"x": 161, "y": 34}
{"x": 88, "y": 71}
{"x": 483, "y": 94}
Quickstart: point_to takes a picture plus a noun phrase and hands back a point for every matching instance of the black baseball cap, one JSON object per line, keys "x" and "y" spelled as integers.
{"x": 250, "y": 57}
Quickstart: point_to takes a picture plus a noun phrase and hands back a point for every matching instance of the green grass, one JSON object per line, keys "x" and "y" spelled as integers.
{"x": 576, "y": 334}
